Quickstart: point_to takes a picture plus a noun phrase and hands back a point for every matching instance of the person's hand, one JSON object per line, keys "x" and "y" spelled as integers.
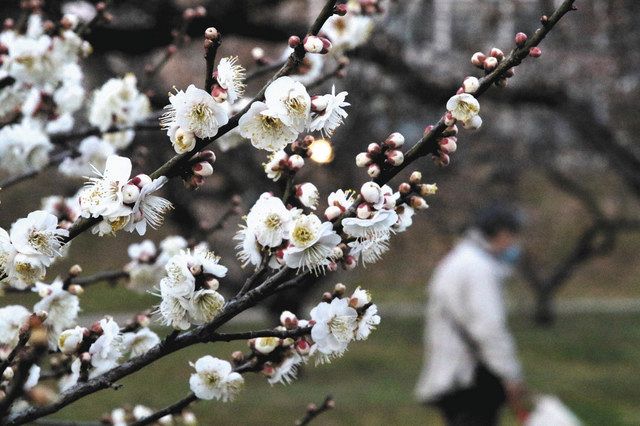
{"x": 518, "y": 398}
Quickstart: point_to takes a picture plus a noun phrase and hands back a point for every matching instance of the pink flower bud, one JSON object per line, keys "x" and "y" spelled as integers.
{"x": 141, "y": 180}
{"x": 490, "y": 63}
{"x": 535, "y": 52}
{"x": 442, "y": 160}
{"x": 415, "y": 178}
{"x": 363, "y": 159}
{"x": 373, "y": 170}
{"x": 130, "y": 194}
{"x": 448, "y": 145}
{"x": 294, "y": 41}
{"x": 203, "y": 168}
{"x": 332, "y": 212}
{"x": 363, "y": 211}
{"x": 350, "y": 262}
{"x": 521, "y": 39}
{"x": 497, "y": 53}
{"x": 208, "y": 155}
{"x": 313, "y": 44}
{"x": 295, "y": 162}
{"x": 319, "y": 103}
{"x": 460, "y": 90}
{"x": 448, "y": 119}
{"x": 288, "y": 319}
{"x": 211, "y": 33}
{"x": 374, "y": 148}
{"x": 196, "y": 181}
{"x": 471, "y": 84}
{"x": 478, "y": 59}
{"x": 394, "y": 140}
{"x": 303, "y": 347}
{"x": 340, "y": 9}
{"x": 395, "y": 157}
{"x": 326, "y": 45}
{"x": 219, "y": 94}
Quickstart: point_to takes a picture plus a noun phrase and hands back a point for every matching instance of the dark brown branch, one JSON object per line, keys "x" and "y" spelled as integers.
{"x": 211, "y": 44}
{"x": 104, "y": 276}
{"x": 20, "y": 378}
{"x": 246, "y": 335}
{"x": 314, "y": 411}
{"x": 172, "y": 409}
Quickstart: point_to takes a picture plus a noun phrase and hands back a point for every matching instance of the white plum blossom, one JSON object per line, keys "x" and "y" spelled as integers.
{"x": 215, "y": 379}
{"x": 328, "y": 112}
{"x": 311, "y": 244}
{"x": 61, "y": 306}
{"x": 149, "y": 209}
{"x": 347, "y": 32}
{"x": 273, "y": 167}
{"x": 249, "y": 251}
{"x": 269, "y": 220}
{"x": 405, "y": 218}
{"x": 118, "y": 103}
{"x": 107, "y": 349}
{"x": 265, "y": 128}
{"x": 379, "y": 223}
{"x": 38, "y": 237}
{"x": 230, "y": 77}
{"x": 289, "y": 101}
{"x": 463, "y": 107}
{"x": 195, "y": 111}
{"x": 367, "y": 322}
{"x": 69, "y": 340}
{"x": 102, "y": 196}
{"x": 308, "y": 195}
{"x": 370, "y": 248}
{"x": 139, "y": 342}
{"x": 23, "y": 147}
{"x": 93, "y": 151}
{"x": 339, "y": 202}
{"x": 334, "y": 328}
{"x": 286, "y": 371}
{"x": 12, "y": 318}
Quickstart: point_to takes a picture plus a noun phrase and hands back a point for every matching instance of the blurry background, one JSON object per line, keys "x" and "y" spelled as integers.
{"x": 560, "y": 142}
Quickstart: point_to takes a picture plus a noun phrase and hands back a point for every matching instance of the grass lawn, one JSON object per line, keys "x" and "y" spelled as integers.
{"x": 590, "y": 361}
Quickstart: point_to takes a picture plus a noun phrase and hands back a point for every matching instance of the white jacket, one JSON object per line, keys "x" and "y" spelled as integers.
{"x": 465, "y": 291}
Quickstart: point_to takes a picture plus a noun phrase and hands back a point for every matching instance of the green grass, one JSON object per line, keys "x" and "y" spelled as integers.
{"x": 589, "y": 361}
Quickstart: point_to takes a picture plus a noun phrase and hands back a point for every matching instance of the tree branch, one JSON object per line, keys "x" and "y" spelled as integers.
{"x": 172, "y": 409}
{"x": 313, "y": 411}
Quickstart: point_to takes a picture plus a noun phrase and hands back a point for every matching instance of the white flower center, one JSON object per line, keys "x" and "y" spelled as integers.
{"x": 303, "y": 234}
{"x": 269, "y": 123}
{"x": 273, "y": 221}
{"x": 200, "y": 113}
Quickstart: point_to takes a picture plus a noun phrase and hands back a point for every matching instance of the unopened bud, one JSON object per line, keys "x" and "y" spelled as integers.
{"x": 294, "y": 41}
{"x": 448, "y": 145}
{"x": 471, "y": 84}
{"x": 395, "y": 157}
{"x": 404, "y": 188}
{"x": 497, "y": 53}
{"x": 374, "y": 148}
{"x": 521, "y": 39}
{"x": 141, "y": 180}
{"x": 332, "y": 212}
{"x": 303, "y": 347}
{"x": 448, "y": 119}
{"x": 288, "y": 319}
{"x": 418, "y": 203}
{"x": 7, "y": 374}
{"x": 219, "y": 94}
{"x": 502, "y": 82}
{"x": 203, "y": 168}
{"x": 442, "y": 160}
{"x": 350, "y": 262}
{"x": 130, "y": 194}
{"x": 428, "y": 189}
{"x": 257, "y": 53}
{"x": 394, "y": 140}
{"x": 339, "y": 289}
{"x": 535, "y": 52}
{"x": 319, "y": 103}
{"x": 75, "y": 289}
{"x": 371, "y": 192}
{"x": 327, "y": 297}
{"x": 237, "y": 357}
{"x": 326, "y": 46}
{"x": 363, "y": 159}
{"x": 313, "y": 44}
{"x": 337, "y": 253}
{"x": 340, "y": 9}
{"x": 490, "y": 63}
{"x": 212, "y": 284}
{"x": 296, "y": 162}
{"x": 415, "y": 178}
{"x": 75, "y": 270}
{"x": 373, "y": 170}
{"x": 478, "y": 59}
{"x": 211, "y": 34}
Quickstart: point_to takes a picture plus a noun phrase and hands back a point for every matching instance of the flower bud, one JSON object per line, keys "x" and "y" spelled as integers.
{"x": 319, "y": 103}
{"x": 394, "y": 140}
{"x": 418, "y": 203}
{"x": 497, "y": 53}
{"x": 257, "y": 53}
{"x": 237, "y": 357}
{"x": 211, "y": 34}
{"x": 490, "y": 63}
{"x": 471, "y": 84}
{"x": 7, "y": 374}
{"x": 183, "y": 141}
{"x": 404, "y": 188}
{"x": 337, "y": 253}
{"x": 195, "y": 182}
{"x": 326, "y": 45}
{"x": 415, "y": 178}
{"x": 340, "y": 9}
{"x": 69, "y": 21}
{"x": 141, "y": 180}
{"x": 478, "y": 59}
{"x": 327, "y": 297}
{"x": 363, "y": 159}
{"x": 395, "y": 157}
{"x": 535, "y": 52}
{"x": 313, "y": 44}
{"x": 203, "y": 168}
{"x": 428, "y": 189}
{"x": 443, "y": 160}
{"x": 363, "y": 211}
{"x": 75, "y": 270}
{"x": 288, "y": 319}
{"x": 374, "y": 148}
{"x": 371, "y": 192}
{"x": 339, "y": 289}
{"x": 373, "y": 170}
{"x": 521, "y": 39}
{"x": 75, "y": 289}
{"x": 448, "y": 145}
{"x": 219, "y": 94}
{"x": 296, "y": 162}
{"x": 448, "y": 119}
{"x": 130, "y": 194}
{"x": 188, "y": 419}
{"x": 266, "y": 345}
{"x": 294, "y": 41}
{"x": 268, "y": 370}
{"x": 303, "y": 347}
{"x": 474, "y": 124}
{"x": 332, "y": 212}
{"x": 308, "y": 194}
{"x": 350, "y": 262}
{"x": 195, "y": 269}
{"x": 69, "y": 340}
{"x": 212, "y": 284}
{"x": 207, "y": 155}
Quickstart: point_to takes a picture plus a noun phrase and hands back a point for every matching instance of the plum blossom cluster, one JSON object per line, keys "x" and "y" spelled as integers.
{"x": 287, "y": 111}
{"x": 353, "y": 26}
{"x": 42, "y": 88}
{"x": 189, "y": 289}
{"x": 122, "y": 202}
{"x": 32, "y": 244}
{"x": 195, "y": 113}
{"x": 147, "y": 265}
{"x": 379, "y": 155}
{"x": 287, "y": 236}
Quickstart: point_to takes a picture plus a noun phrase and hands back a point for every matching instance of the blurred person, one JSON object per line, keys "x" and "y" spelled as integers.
{"x": 471, "y": 367}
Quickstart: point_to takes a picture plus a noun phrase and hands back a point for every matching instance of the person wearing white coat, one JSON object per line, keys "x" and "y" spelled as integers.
{"x": 471, "y": 366}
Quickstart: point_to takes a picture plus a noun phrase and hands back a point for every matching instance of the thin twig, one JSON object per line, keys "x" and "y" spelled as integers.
{"x": 246, "y": 335}
{"x": 172, "y": 409}
{"x": 212, "y": 43}
{"x": 314, "y": 411}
